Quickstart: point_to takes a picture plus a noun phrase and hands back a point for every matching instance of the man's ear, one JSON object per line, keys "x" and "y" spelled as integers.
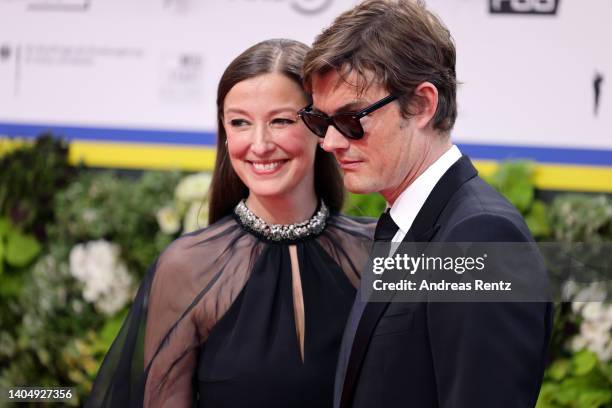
{"x": 426, "y": 101}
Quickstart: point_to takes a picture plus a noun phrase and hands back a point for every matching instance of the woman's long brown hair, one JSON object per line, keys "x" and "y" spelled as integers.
{"x": 285, "y": 57}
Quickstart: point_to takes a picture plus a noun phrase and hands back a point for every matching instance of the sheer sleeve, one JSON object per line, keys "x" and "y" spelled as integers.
{"x": 120, "y": 380}
{"x": 348, "y": 241}
{"x": 192, "y": 284}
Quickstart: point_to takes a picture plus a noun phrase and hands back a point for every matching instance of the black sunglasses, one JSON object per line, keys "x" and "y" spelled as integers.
{"x": 347, "y": 123}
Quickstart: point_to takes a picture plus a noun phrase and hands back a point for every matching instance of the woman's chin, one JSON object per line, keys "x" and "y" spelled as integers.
{"x": 268, "y": 192}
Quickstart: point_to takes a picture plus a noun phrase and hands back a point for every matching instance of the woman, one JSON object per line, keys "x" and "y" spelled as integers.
{"x": 249, "y": 311}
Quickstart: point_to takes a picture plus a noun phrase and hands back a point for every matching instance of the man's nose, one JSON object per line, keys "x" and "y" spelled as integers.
{"x": 334, "y": 140}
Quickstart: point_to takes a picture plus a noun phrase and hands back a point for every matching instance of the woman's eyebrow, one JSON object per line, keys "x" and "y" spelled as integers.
{"x": 291, "y": 109}
{"x": 236, "y": 110}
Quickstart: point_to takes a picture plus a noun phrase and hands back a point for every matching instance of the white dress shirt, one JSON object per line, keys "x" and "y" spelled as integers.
{"x": 409, "y": 203}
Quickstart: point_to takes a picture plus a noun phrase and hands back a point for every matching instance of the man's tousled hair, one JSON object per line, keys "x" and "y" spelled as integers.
{"x": 397, "y": 43}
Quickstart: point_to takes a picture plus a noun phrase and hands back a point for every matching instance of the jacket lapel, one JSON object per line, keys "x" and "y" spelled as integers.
{"x": 423, "y": 229}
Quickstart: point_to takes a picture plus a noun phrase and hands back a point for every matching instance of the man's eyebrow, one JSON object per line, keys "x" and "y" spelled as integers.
{"x": 353, "y": 106}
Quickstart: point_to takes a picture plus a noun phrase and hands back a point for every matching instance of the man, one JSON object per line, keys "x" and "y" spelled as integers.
{"x": 382, "y": 77}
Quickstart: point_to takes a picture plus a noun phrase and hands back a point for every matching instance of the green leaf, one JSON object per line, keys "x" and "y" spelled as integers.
{"x": 584, "y": 362}
{"x": 5, "y": 227}
{"x": 11, "y": 285}
{"x": 515, "y": 181}
{"x": 365, "y": 205}
{"x": 537, "y": 219}
{"x": 607, "y": 371}
{"x": 21, "y": 249}
{"x": 519, "y": 194}
{"x": 109, "y": 332}
{"x": 570, "y": 389}
{"x": 559, "y": 369}
{"x": 2, "y": 251}
{"x": 111, "y": 327}
{"x": 547, "y": 395}
{"x": 594, "y": 398}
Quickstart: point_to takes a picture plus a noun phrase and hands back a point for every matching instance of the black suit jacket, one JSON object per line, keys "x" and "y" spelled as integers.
{"x": 459, "y": 355}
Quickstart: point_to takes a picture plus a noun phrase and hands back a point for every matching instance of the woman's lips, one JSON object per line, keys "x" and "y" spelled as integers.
{"x": 267, "y": 166}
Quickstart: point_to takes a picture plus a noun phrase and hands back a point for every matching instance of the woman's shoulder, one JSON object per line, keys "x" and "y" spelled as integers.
{"x": 359, "y": 226}
{"x": 197, "y": 252}
{"x": 203, "y": 261}
{"x": 218, "y": 232}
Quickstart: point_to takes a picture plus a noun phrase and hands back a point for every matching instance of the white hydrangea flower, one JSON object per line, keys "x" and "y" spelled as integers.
{"x": 605, "y": 320}
{"x": 578, "y": 343}
{"x": 77, "y": 306}
{"x": 568, "y": 289}
{"x": 577, "y": 306}
{"x": 168, "y": 220}
{"x": 119, "y": 294}
{"x": 193, "y": 187}
{"x": 607, "y": 315}
{"x": 606, "y": 354}
{"x": 196, "y": 217}
{"x": 592, "y": 311}
{"x": 107, "y": 283}
{"x": 78, "y": 262}
{"x": 595, "y": 292}
{"x": 602, "y": 351}
{"x": 595, "y": 330}
{"x": 90, "y": 215}
{"x": 593, "y": 334}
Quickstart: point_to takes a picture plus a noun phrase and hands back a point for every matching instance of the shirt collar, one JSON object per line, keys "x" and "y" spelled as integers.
{"x": 410, "y": 201}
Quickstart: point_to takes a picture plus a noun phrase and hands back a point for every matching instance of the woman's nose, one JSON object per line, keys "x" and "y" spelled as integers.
{"x": 262, "y": 141}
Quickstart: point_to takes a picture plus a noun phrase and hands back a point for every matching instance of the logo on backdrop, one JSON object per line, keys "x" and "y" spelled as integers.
{"x": 545, "y": 7}
{"x": 181, "y": 78}
{"x": 304, "y": 7}
{"x": 310, "y": 7}
{"x": 181, "y": 6}
{"x": 5, "y": 53}
{"x": 58, "y": 5}
{"x": 597, "y": 90}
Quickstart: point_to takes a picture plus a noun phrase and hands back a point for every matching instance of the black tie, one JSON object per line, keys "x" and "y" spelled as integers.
{"x": 386, "y": 228}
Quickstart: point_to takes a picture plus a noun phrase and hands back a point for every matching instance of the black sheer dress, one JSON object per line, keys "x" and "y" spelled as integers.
{"x": 239, "y": 314}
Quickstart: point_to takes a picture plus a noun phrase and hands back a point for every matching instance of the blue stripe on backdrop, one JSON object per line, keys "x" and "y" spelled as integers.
{"x": 592, "y": 157}
{"x": 133, "y": 135}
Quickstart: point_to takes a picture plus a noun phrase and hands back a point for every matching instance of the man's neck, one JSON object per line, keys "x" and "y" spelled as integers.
{"x": 431, "y": 154}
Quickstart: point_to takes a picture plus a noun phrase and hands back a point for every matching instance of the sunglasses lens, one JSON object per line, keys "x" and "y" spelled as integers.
{"x": 315, "y": 123}
{"x": 349, "y": 126}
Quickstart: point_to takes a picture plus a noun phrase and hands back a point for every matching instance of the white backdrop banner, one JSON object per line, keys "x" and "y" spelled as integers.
{"x": 536, "y": 74}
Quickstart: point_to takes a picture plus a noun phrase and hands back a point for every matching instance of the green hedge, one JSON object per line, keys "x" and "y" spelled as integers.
{"x": 60, "y": 310}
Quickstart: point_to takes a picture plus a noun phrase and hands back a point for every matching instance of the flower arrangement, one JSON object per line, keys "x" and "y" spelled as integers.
{"x": 107, "y": 282}
{"x": 190, "y": 204}
{"x": 73, "y": 250}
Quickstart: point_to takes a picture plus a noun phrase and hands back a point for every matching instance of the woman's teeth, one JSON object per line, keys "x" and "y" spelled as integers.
{"x": 266, "y": 166}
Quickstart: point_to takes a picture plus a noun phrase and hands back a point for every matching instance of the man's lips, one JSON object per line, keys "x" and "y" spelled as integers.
{"x": 266, "y": 166}
{"x": 349, "y": 164}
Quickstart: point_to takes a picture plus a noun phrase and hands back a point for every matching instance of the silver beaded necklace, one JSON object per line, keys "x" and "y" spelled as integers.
{"x": 282, "y": 232}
